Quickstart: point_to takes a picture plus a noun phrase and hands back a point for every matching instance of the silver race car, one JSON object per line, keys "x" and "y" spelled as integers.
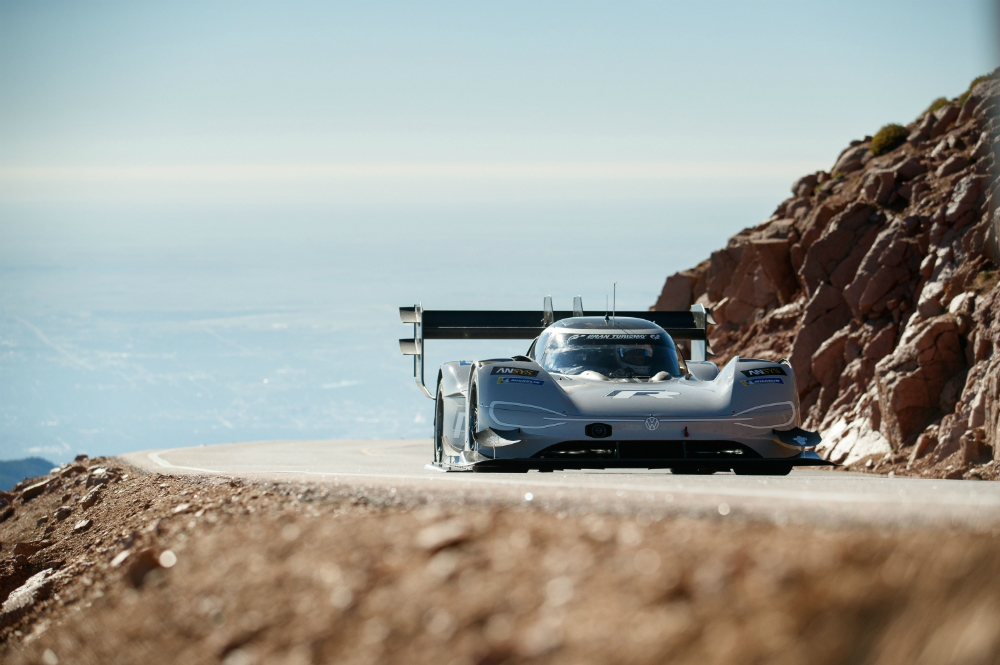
{"x": 595, "y": 391}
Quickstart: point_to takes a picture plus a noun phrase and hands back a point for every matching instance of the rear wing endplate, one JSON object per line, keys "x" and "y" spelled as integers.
{"x": 514, "y": 324}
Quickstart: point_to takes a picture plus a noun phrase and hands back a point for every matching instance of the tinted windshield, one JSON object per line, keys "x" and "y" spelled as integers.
{"x": 615, "y": 355}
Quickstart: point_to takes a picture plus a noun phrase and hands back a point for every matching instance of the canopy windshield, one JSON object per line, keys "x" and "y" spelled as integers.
{"x": 615, "y": 355}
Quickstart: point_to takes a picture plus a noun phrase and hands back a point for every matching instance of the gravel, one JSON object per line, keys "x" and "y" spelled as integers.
{"x": 287, "y": 573}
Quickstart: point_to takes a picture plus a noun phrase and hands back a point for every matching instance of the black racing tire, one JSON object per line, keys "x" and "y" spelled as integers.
{"x": 473, "y": 418}
{"x": 506, "y": 468}
{"x": 438, "y": 425}
{"x": 764, "y": 469}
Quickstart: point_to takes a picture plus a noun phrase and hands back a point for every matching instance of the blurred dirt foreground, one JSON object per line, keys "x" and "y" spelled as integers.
{"x": 102, "y": 564}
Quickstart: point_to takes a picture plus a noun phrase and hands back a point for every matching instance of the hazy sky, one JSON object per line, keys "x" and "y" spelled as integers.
{"x": 210, "y": 211}
{"x": 401, "y": 103}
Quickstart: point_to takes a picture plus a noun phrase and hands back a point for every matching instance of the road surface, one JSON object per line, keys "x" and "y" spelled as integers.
{"x": 385, "y": 467}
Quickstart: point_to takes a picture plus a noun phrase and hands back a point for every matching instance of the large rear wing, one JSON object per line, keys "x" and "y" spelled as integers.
{"x": 514, "y": 324}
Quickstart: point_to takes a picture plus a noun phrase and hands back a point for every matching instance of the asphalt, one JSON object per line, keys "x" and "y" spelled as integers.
{"x": 387, "y": 469}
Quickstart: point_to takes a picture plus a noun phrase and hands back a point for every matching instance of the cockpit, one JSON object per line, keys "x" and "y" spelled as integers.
{"x": 620, "y": 352}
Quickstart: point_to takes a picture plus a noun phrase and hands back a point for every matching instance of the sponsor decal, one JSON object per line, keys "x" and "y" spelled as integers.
{"x": 464, "y": 362}
{"x": 519, "y": 380}
{"x": 652, "y": 423}
{"x": 625, "y": 394}
{"x": 765, "y": 371}
{"x": 613, "y": 336}
{"x": 753, "y": 382}
{"x": 514, "y": 371}
{"x": 801, "y": 440}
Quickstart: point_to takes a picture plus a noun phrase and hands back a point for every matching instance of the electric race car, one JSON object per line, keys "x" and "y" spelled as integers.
{"x": 595, "y": 391}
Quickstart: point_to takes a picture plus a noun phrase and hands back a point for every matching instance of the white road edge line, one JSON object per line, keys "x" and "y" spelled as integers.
{"x": 162, "y": 462}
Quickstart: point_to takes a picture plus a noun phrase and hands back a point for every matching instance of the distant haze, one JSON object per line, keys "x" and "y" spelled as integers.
{"x": 209, "y": 211}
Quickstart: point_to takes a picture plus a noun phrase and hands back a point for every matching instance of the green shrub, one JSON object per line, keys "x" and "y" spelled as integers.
{"x": 976, "y": 81}
{"x": 888, "y": 138}
{"x": 935, "y": 105}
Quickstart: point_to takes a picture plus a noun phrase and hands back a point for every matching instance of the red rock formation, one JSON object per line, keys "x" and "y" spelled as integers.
{"x": 879, "y": 281}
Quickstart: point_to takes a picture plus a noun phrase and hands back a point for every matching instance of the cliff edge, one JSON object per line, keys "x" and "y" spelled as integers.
{"x": 878, "y": 280}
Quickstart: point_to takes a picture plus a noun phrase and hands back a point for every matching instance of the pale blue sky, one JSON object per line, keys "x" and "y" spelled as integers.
{"x": 357, "y": 102}
{"x": 209, "y": 211}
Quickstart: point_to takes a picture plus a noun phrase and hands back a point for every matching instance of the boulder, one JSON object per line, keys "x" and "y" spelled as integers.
{"x": 923, "y": 130}
{"x": 850, "y": 159}
{"x": 31, "y": 491}
{"x": 676, "y": 293}
{"x": 880, "y": 344}
{"x": 825, "y": 314}
{"x": 23, "y": 597}
{"x": 91, "y": 498}
{"x": 100, "y": 476}
{"x": 774, "y": 258}
{"x": 986, "y": 108}
{"x": 982, "y": 149}
{"x": 870, "y": 264}
{"x": 30, "y": 547}
{"x": 965, "y": 197}
{"x": 878, "y": 186}
{"x": 799, "y": 208}
{"x": 881, "y": 284}
{"x": 944, "y": 117}
{"x": 804, "y": 185}
{"x": 836, "y": 244}
{"x": 975, "y": 450}
{"x": 940, "y": 149}
{"x": 953, "y": 164}
{"x": 812, "y": 227}
{"x": 828, "y": 361}
{"x": 908, "y": 169}
{"x": 737, "y": 311}
{"x": 910, "y": 380}
{"x": 925, "y": 444}
{"x": 929, "y": 302}
{"x": 722, "y": 265}
{"x": 72, "y": 469}
{"x": 968, "y": 108}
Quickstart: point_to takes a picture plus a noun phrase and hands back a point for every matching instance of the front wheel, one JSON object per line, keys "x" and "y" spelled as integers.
{"x": 438, "y": 426}
{"x": 473, "y": 416}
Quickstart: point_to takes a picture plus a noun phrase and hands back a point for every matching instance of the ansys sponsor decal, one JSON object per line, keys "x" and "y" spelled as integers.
{"x": 753, "y": 382}
{"x": 514, "y": 371}
{"x": 764, "y": 371}
{"x": 519, "y": 380}
{"x": 625, "y": 394}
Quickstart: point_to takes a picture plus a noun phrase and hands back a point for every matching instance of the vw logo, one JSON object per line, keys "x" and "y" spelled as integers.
{"x": 652, "y": 423}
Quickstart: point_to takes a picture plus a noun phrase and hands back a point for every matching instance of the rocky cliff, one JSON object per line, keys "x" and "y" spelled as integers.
{"x": 878, "y": 280}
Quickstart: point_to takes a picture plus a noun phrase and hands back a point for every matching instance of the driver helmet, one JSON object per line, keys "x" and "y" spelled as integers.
{"x": 638, "y": 358}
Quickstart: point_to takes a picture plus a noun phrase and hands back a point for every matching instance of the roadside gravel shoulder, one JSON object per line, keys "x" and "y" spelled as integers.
{"x": 102, "y": 563}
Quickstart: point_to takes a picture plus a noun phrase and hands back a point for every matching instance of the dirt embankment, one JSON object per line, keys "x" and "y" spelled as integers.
{"x": 878, "y": 280}
{"x": 103, "y": 565}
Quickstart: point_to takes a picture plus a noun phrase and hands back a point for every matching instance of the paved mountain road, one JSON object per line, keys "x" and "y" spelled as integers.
{"x": 385, "y": 467}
